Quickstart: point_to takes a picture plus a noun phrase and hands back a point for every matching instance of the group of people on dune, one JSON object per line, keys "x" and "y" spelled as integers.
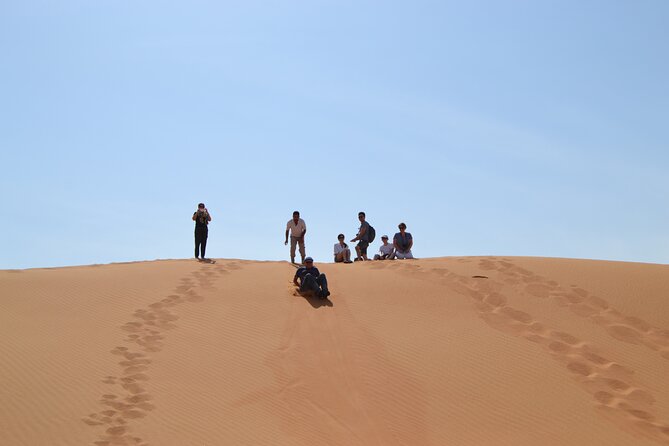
{"x": 399, "y": 249}
{"x": 310, "y": 281}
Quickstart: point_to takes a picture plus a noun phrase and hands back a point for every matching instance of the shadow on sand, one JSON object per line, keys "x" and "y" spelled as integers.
{"x": 313, "y": 300}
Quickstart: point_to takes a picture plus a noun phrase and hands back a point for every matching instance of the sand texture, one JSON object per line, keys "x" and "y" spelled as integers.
{"x": 446, "y": 351}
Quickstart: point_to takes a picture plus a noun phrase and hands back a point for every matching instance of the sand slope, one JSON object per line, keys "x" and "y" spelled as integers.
{"x": 532, "y": 351}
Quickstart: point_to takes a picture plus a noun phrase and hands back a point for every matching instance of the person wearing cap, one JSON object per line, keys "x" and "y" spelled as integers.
{"x": 311, "y": 281}
{"x": 297, "y": 228}
{"x": 361, "y": 247}
{"x": 386, "y": 250}
{"x": 201, "y": 217}
{"x": 403, "y": 241}
{"x": 341, "y": 251}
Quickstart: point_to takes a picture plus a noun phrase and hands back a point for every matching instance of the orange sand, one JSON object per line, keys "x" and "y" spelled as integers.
{"x": 541, "y": 352}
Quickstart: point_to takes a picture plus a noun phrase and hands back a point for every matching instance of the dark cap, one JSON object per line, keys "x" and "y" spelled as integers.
{"x": 200, "y": 205}
{"x": 308, "y": 260}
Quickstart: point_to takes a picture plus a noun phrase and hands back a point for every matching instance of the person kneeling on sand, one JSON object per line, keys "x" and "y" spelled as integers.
{"x": 386, "y": 250}
{"x": 341, "y": 251}
{"x": 403, "y": 241}
{"x": 312, "y": 282}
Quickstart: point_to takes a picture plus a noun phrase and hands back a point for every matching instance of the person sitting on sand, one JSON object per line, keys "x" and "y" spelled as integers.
{"x": 341, "y": 251}
{"x": 386, "y": 250}
{"x": 403, "y": 241}
{"x": 312, "y": 282}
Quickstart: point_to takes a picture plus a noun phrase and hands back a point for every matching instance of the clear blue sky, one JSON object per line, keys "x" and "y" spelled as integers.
{"x": 534, "y": 128}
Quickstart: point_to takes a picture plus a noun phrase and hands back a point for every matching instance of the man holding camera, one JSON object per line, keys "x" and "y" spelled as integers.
{"x": 201, "y": 217}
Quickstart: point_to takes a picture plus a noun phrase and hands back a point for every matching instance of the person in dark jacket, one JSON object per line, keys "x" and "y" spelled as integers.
{"x": 201, "y": 217}
{"x": 311, "y": 281}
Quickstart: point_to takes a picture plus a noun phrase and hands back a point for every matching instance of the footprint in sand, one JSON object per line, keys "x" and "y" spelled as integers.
{"x": 146, "y": 333}
{"x": 628, "y": 329}
{"x": 133, "y": 402}
{"x": 538, "y": 290}
{"x": 625, "y": 333}
{"x": 610, "y": 384}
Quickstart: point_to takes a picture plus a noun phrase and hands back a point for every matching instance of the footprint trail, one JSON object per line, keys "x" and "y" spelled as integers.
{"x": 612, "y": 385}
{"x": 129, "y": 400}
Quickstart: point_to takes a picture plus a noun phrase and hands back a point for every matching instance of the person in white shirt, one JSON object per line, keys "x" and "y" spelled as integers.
{"x": 386, "y": 250}
{"x": 341, "y": 251}
{"x": 297, "y": 228}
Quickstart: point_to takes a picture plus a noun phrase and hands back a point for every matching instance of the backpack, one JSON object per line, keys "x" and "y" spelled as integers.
{"x": 371, "y": 233}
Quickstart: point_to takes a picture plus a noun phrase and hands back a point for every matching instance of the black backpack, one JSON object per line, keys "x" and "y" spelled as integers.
{"x": 371, "y": 233}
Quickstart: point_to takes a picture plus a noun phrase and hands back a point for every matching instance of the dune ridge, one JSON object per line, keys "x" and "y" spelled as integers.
{"x": 468, "y": 350}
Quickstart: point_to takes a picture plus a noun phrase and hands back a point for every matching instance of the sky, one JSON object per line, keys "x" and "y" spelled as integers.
{"x": 516, "y": 128}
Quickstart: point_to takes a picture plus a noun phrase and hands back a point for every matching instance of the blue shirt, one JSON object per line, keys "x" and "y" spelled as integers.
{"x": 402, "y": 242}
{"x": 302, "y": 270}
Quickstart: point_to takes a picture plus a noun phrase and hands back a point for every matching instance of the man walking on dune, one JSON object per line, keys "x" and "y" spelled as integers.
{"x": 297, "y": 228}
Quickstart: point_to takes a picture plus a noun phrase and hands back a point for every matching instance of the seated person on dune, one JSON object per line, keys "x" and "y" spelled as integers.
{"x": 311, "y": 281}
{"x": 403, "y": 241}
{"x": 342, "y": 253}
{"x": 386, "y": 250}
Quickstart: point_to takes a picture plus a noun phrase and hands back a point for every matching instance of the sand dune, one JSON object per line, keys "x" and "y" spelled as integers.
{"x": 445, "y": 351}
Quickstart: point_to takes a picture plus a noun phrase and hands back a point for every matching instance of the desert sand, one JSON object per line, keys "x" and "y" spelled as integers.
{"x": 444, "y": 351}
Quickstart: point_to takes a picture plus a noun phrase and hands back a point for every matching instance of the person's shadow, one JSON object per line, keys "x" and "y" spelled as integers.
{"x": 315, "y": 301}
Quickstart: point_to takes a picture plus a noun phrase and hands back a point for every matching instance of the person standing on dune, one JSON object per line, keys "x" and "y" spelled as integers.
{"x": 201, "y": 217}
{"x": 297, "y": 229}
{"x": 365, "y": 236}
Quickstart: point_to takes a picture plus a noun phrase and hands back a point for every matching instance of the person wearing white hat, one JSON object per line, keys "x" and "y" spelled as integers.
{"x": 386, "y": 250}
